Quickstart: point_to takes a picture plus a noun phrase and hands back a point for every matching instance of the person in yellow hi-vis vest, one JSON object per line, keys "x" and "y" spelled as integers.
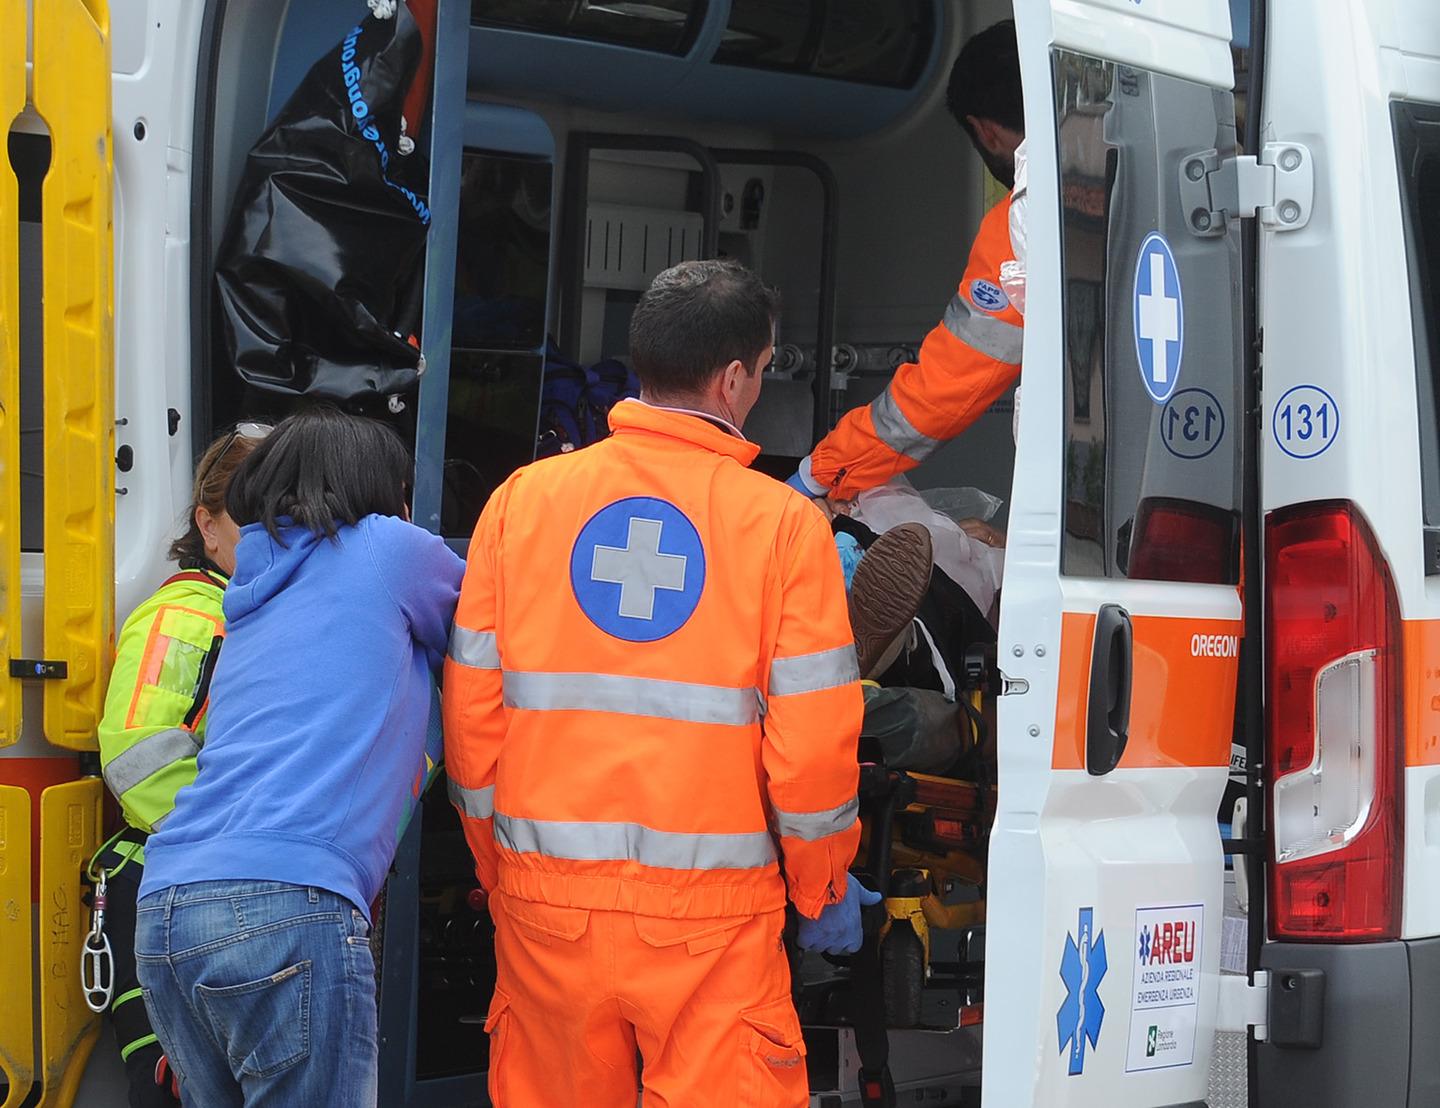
{"x": 154, "y": 725}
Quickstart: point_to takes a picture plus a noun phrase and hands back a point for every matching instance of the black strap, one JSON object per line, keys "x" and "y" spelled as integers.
{"x": 201, "y": 576}
{"x": 201, "y": 696}
{"x": 867, "y": 1015}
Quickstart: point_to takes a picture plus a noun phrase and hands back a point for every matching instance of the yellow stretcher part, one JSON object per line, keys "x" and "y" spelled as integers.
{"x": 17, "y": 1014}
{"x": 12, "y": 102}
{"x": 70, "y": 820}
{"x": 71, "y": 85}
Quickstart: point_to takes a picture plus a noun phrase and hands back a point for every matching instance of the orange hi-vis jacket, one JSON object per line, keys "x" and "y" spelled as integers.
{"x": 966, "y": 363}
{"x": 651, "y": 700}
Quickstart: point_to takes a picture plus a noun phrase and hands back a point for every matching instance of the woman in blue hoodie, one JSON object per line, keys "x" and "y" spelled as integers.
{"x": 253, "y": 923}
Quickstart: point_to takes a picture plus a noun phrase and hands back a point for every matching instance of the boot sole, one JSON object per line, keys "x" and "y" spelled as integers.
{"x": 887, "y": 590}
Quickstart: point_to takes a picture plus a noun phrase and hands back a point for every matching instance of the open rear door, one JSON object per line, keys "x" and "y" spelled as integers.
{"x": 1121, "y": 612}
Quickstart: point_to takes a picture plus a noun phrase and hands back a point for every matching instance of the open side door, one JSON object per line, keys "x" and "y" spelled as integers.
{"x": 1121, "y": 614}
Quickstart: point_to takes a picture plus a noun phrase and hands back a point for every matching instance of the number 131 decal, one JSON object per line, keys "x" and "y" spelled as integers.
{"x": 1305, "y": 421}
{"x": 1192, "y": 423}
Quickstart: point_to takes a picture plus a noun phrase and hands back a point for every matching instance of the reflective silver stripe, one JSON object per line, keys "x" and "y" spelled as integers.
{"x": 620, "y": 842}
{"x": 983, "y": 332}
{"x": 631, "y": 696}
{"x": 475, "y": 803}
{"x": 825, "y": 669}
{"x": 476, "y": 649}
{"x": 896, "y": 431}
{"x": 149, "y": 756}
{"x": 816, "y": 825}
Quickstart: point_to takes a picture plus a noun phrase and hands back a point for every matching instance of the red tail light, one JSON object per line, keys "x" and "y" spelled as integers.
{"x": 1336, "y": 755}
{"x": 1181, "y": 540}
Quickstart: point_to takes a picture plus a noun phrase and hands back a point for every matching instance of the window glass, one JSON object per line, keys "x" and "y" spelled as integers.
{"x": 769, "y": 34}
{"x": 502, "y": 258}
{"x": 849, "y": 40}
{"x": 490, "y": 430}
{"x": 878, "y": 44}
{"x": 502, "y": 252}
{"x": 1417, "y": 140}
{"x": 668, "y": 26}
{"x": 1152, "y": 327}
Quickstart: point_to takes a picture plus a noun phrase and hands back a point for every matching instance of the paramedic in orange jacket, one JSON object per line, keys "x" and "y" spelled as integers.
{"x": 972, "y": 357}
{"x": 651, "y": 710}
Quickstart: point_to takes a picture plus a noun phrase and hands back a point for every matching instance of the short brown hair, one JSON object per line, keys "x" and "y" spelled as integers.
{"x": 212, "y": 481}
{"x": 696, "y": 318}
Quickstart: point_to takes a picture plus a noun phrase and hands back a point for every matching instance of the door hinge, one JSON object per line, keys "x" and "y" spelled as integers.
{"x": 1277, "y": 188}
{"x": 1245, "y": 1004}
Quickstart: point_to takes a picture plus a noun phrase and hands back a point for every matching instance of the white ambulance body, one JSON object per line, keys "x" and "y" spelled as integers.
{"x": 1223, "y": 521}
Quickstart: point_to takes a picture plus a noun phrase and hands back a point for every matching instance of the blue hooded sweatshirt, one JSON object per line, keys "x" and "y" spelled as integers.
{"x": 318, "y": 710}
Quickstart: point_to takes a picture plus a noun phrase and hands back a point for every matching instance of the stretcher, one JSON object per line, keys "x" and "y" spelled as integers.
{"x": 921, "y": 968}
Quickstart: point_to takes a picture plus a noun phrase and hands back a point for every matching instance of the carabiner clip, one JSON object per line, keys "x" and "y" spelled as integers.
{"x": 97, "y": 963}
{"x": 97, "y": 971}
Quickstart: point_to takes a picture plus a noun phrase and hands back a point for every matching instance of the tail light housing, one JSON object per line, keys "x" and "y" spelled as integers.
{"x": 1183, "y": 540}
{"x": 1333, "y": 654}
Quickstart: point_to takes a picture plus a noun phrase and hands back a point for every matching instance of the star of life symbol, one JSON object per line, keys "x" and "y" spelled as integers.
{"x": 639, "y": 569}
{"x": 1082, "y": 968}
{"x": 1159, "y": 317}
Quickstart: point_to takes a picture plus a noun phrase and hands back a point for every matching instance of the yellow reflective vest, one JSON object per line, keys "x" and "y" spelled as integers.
{"x": 155, "y": 708}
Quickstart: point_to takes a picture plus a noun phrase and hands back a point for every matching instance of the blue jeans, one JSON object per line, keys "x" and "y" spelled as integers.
{"x": 262, "y": 993}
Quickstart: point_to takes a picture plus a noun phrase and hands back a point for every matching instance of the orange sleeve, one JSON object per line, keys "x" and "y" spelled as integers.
{"x": 812, "y": 722}
{"x": 965, "y": 364}
{"x": 473, "y": 698}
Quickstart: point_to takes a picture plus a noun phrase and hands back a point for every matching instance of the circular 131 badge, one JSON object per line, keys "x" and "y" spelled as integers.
{"x": 1192, "y": 423}
{"x": 1305, "y": 421}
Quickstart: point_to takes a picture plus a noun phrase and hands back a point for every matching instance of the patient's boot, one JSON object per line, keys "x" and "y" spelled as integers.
{"x": 889, "y": 584}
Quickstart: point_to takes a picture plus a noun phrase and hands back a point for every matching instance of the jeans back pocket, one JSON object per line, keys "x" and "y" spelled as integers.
{"x": 264, "y": 1025}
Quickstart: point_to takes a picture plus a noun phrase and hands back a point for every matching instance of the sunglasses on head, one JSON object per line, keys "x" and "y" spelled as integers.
{"x": 244, "y": 430}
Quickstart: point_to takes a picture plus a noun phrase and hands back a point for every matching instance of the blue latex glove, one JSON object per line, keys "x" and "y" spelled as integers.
{"x": 850, "y": 555}
{"x": 838, "y": 930}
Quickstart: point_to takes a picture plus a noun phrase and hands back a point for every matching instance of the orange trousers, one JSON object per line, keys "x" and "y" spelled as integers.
{"x": 705, "y": 1002}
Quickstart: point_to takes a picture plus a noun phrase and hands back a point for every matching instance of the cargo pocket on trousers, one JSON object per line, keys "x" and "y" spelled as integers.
{"x": 497, "y": 1024}
{"x": 265, "y": 1024}
{"x": 544, "y": 923}
{"x": 772, "y": 1057}
{"x": 697, "y": 935}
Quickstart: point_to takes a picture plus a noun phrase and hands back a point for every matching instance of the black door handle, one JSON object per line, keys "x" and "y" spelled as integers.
{"x": 1111, "y": 670}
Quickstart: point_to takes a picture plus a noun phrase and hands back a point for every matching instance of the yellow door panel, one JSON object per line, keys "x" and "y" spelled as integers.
{"x": 72, "y": 92}
{"x": 17, "y": 1016}
{"x": 12, "y": 101}
{"x": 70, "y": 816}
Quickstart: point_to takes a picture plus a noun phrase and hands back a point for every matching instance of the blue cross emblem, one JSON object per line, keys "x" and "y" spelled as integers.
{"x": 1159, "y": 317}
{"x": 1082, "y": 968}
{"x": 638, "y": 568}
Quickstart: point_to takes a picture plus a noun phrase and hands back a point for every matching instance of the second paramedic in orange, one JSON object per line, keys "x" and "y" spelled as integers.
{"x": 968, "y": 360}
{"x": 651, "y": 714}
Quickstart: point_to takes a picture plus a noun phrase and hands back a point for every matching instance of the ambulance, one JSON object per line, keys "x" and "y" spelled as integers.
{"x": 1211, "y": 871}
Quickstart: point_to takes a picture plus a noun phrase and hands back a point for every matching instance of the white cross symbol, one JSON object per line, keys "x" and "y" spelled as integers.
{"x": 639, "y": 569}
{"x": 1159, "y": 320}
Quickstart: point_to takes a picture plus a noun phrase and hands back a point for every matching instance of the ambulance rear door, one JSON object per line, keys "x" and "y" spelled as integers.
{"x": 1121, "y": 611}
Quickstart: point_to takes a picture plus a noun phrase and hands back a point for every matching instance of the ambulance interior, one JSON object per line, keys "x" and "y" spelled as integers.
{"x": 603, "y": 141}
